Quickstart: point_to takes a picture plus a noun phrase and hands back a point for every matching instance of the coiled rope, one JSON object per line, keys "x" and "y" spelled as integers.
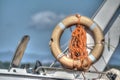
{"x": 77, "y": 46}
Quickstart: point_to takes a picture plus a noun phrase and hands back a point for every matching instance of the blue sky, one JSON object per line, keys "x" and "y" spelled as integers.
{"x": 37, "y": 18}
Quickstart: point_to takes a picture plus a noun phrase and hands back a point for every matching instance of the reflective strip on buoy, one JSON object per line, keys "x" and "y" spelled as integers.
{"x": 62, "y": 26}
{"x": 92, "y": 26}
{"x": 92, "y": 58}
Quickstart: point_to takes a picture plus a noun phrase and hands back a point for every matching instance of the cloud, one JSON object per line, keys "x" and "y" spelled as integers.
{"x": 45, "y": 20}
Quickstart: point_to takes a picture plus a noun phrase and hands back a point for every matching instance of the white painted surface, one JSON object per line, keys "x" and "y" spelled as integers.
{"x": 106, "y": 13}
{"x": 102, "y": 19}
{"x": 114, "y": 41}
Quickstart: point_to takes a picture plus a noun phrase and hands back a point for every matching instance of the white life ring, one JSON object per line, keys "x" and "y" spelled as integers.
{"x": 68, "y": 22}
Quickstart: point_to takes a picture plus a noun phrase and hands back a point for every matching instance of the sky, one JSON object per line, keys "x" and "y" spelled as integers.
{"x": 37, "y": 18}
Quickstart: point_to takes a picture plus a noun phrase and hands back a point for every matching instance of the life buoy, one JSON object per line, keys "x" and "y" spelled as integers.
{"x": 68, "y": 22}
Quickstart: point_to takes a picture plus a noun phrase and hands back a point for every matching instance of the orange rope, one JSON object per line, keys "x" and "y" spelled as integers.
{"x": 77, "y": 45}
